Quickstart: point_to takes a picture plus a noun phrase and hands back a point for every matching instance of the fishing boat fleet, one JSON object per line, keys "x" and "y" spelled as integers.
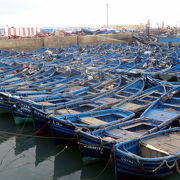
{"x": 117, "y": 102}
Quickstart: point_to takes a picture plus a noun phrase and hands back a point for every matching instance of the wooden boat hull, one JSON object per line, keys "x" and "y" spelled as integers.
{"x": 64, "y": 130}
{"x": 128, "y": 162}
{"x": 22, "y": 120}
{"x": 4, "y": 111}
{"x": 91, "y": 147}
{"x": 41, "y": 121}
{"x": 100, "y": 143}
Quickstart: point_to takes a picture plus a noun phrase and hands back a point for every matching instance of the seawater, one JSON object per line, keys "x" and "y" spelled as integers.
{"x": 32, "y": 158}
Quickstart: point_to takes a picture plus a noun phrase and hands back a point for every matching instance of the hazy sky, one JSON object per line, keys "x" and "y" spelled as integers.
{"x": 88, "y": 12}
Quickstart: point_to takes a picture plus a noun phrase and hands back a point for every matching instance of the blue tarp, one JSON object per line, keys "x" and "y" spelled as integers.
{"x": 169, "y": 39}
{"x": 47, "y": 30}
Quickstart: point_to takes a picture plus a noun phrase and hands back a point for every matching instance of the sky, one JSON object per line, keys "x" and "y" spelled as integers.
{"x": 88, "y": 13}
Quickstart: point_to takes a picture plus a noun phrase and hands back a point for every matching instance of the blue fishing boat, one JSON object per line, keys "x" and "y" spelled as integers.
{"x": 150, "y": 66}
{"x": 21, "y": 108}
{"x": 77, "y": 98}
{"x": 9, "y": 70}
{"x": 154, "y": 155}
{"x": 21, "y": 101}
{"x": 122, "y": 67}
{"x": 28, "y": 83}
{"x": 25, "y": 82}
{"x": 92, "y": 99}
{"x": 167, "y": 84}
{"x": 140, "y": 102}
{"x": 157, "y": 69}
{"x": 130, "y": 90}
{"x": 167, "y": 107}
{"x": 64, "y": 128}
{"x": 99, "y": 143}
{"x": 171, "y": 73}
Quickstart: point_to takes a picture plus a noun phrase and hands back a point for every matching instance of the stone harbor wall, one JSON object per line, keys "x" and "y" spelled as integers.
{"x": 27, "y": 44}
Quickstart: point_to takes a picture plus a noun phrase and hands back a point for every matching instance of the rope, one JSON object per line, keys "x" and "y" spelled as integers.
{"x": 11, "y": 102}
{"x": 177, "y": 166}
{"x": 101, "y": 145}
{"x": 41, "y": 127}
{"x": 164, "y": 162}
{"x": 5, "y": 155}
{"x": 65, "y": 147}
{"x": 29, "y": 135}
{"x": 78, "y": 129}
{"x": 109, "y": 160}
{"x": 95, "y": 145}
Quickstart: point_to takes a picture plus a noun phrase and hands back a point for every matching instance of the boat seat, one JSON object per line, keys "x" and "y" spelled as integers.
{"x": 122, "y": 97}
{"x": 162, "y": 145}
{"x": 88, "y": 105}
{"x": 67, "y": 111}
{"x": 134, "y": 71}
{"x": 26, "y": 91}
{"x": 92, "y": 121}
{"x": 132, "y": 107}
{"x": 144, "y": 127}
{"x": 13, "y": 79}
{"x": 152, "y": 94}
{"x": 157, "y": 92}
{"x": 125, "y": 59}
{"x": 37, "y": 96}
{"x": 59, "y": 85}
{"x": 121, "y": 134}
{"x": 45, "y": 103}
{"x": 90, "y": 68}
{"x": 119, "y": 70}
{"x": 75, "y": 88}
{"x": 151, "y": 98}
{"x": 172, "y": 105}
{"x": 108, "y": 100}
{"x": 176, "y": 98}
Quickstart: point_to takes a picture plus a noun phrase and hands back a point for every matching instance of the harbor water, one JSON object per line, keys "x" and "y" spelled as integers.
{"x": 37, "y": 158}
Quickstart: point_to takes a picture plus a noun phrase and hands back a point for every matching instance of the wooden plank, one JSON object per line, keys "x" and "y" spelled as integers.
{"x": 90, "y": 68}
{"x": 165, "y": 143}
{"x": 59, "y": 85}
{"x": 92, "y": 121}
{"x": 131, "y": 107}
{"x": 45, "y": 103}
{"x": 37, "y": 96}
{"x": 13, "y": 79}
{"x": 170, "y": 147}
{"x": 26, "y": 91}
{"x": 123, "y": 134}
{"x": 107, "y": 138}
{"x": 149, "y": 151}
{"x": 108, "y": 100}
{"x": 67, "y": 111}
{"x": 74, "y": 88}
{"x": 135, "y": 125}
